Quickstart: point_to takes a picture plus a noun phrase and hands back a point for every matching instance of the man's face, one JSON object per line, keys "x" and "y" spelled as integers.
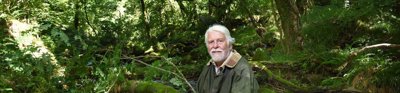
{"x": 218, "y": 47}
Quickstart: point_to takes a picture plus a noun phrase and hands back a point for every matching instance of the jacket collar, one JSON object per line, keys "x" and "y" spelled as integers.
{"x": 231, "y": 61}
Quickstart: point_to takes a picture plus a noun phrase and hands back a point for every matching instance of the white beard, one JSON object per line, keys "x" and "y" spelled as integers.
{"x": 219, "y": 56}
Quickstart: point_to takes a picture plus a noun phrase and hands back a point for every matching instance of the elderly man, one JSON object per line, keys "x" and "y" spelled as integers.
{"x": 227, "y": 71}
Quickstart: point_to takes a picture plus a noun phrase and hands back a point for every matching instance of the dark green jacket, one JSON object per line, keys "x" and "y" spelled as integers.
{"x": 235, "y": 76}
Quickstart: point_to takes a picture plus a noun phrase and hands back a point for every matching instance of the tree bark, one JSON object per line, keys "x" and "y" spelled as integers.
{"x": 290, "y": 25}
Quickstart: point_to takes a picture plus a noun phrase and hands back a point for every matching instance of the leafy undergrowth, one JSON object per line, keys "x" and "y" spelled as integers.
{"x": 373, "y": 72}
{"x": 132, "y": 86}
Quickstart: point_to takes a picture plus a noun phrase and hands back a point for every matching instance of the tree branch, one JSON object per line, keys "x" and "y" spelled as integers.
{"x": 182, "y": 7}
{"x": 355, "y": 53}
{"x": 87, "y": 18}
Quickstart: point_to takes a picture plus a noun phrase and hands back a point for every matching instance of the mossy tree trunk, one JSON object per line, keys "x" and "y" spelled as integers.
{"x": 289, "y": 16}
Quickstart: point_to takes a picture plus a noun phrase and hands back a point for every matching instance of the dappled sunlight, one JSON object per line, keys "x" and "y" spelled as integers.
{"x": 25, "y": 35}
{"x": 120, "y": 11}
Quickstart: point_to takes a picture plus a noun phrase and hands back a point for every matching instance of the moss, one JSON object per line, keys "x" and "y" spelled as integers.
{"x": 266, "y": 89}
{"x": 153, "y": 87}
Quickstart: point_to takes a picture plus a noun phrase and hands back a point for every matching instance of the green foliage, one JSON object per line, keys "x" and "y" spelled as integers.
{"x": 153, "y": 74}
{"x": 260, "y": 54}
{"x": 178, "y": 83}
{"x": 319, "y": 61}
{"x": 341, "y": 26}
{"x": 333, "y": 83}
{"x": 331, "y": 31}
{"x": 153, "y": 87}
{"x": 266, "y": 89}
{"x": 97, "y": 40}
{"x": 23, "y": 73}
{"x": 245, "y": 35}
{"x": 389, "y": 76}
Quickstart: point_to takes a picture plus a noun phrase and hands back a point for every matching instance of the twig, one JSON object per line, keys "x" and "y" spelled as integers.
{"x": 179, "y": 71}
{"x": 87, "y": 18}
{"x": 180, "y": 75}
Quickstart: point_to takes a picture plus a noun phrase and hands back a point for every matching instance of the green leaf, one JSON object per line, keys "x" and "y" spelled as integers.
{"x": 176, "y": 82}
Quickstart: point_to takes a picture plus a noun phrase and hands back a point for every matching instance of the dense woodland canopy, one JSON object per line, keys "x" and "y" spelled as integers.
{"x": 157, "y": 46}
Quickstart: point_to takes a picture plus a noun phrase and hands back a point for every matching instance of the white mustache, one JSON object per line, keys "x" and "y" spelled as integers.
{"x": 216, "y": 50}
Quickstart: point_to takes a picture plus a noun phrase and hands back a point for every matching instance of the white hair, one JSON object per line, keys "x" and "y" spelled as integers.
{"x": 222, "y": 29}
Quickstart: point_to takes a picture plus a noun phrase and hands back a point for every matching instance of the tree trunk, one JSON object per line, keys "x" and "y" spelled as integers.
{"x": 76, "y": 16}
{"x": 144, "y": 22}
{"x": 290, "y": 25}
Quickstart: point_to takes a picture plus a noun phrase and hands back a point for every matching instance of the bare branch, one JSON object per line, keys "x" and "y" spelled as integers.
{"x": 355, "y": 53}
